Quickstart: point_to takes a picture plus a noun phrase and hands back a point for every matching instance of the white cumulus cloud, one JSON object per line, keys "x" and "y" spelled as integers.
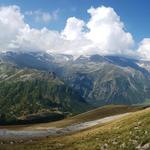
{"x": 107, "y": 32}
{"x": 11, "y": 22}
{"x": 73, "y": 29}
{"x": 104, "y": 33}
{"x": 144, "y": 49}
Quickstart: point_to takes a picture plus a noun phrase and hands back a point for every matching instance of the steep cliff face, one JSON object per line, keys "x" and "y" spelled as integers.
{"x": 108, "y": 83}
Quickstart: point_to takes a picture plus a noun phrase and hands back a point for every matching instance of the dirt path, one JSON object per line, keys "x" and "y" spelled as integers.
{"x": 43, "y": 132}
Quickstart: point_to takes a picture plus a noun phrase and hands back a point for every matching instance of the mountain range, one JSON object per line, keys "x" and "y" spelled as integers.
{"x": 31, "y": 83}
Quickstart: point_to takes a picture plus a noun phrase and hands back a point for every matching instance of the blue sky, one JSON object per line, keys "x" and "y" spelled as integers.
{"x": 134, "y": 13}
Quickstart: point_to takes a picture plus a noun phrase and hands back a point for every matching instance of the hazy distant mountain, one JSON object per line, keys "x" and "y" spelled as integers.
{"x": 107, "y": 81}
{"x": 98, "y": 79}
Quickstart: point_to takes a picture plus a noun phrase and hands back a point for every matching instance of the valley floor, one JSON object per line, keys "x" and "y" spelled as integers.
{"x": 53, "y": 131}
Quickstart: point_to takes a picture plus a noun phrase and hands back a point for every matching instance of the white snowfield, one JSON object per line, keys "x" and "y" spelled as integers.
{"x": 42, "y": 132}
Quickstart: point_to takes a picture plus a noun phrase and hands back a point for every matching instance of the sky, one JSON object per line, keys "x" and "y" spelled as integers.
{"x": 76, "y": 27}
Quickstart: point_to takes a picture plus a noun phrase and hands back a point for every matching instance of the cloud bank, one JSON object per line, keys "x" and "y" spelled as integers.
{"x": 104, "y": 33}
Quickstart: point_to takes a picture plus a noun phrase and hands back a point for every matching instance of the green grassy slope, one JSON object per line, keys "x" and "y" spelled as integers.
{"x": 94, "y": 114}
{"x": 127, "y": 133}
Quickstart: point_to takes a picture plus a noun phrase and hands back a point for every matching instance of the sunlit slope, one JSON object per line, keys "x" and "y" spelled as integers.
{"x": 94, "y": 114}
{"x": 128, "y": 133}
